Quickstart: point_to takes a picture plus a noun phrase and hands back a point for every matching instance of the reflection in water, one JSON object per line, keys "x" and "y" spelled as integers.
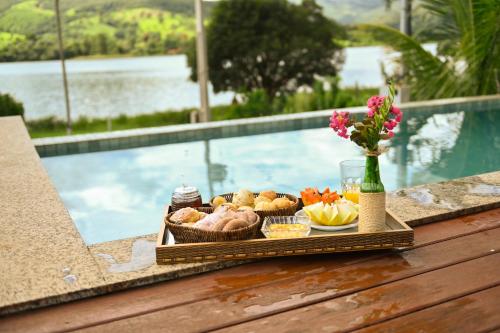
{"x": 446, "y": 145}
{"x": 477, "y": 147}
{"x": 118, "y": 194}
{"x": 216, "y": 172}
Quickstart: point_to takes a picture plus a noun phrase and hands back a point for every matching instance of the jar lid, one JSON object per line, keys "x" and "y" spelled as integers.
{"x": 186, "y": 190}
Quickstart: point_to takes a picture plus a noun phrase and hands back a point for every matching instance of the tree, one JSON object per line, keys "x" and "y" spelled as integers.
{"x": 271, "y": 45}
{"x": 468, "y": 59}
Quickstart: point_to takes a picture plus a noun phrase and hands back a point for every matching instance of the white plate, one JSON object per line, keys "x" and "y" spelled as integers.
{"x": 316, "y": 226}
{"x": 321, "y": 227}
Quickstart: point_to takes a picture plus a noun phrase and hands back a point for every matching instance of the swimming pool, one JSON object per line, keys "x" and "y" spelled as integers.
{"x": 118, "y": 194}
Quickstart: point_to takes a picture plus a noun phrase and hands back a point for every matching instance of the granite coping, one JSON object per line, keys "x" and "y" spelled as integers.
{"x": 44, "y": 261}
{"x": 42, "y": 255}
{"x": 131, "y": 262}
{"x": 445, "y": 200}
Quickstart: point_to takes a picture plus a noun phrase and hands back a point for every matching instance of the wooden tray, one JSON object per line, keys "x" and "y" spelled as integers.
{"x": 397, "y": 235}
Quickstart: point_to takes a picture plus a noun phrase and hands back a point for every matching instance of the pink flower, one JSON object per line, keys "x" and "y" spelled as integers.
{"x": 397, "y": 113}
{"x": 375, "y": 102}
{"x": 399, "y": 117}
{"x": 390, "y": 124}
{"x": 338, "y": 123}
{"x": 371, "y": 113}
{"x": 390, "y": 134}
{"x": 395, "y": 110}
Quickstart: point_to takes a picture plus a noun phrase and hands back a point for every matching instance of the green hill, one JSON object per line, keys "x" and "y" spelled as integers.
{"x": 137, "y": 27}
{"x": 26, "y": 18}
{"x": 95, "y": 27}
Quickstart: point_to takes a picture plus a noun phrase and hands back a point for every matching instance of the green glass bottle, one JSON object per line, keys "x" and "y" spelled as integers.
{"x": 372, "y": 182}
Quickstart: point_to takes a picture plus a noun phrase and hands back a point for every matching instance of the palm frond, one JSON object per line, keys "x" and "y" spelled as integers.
{"x": 429, "y": 76}
{"x": 480, "y": 45}
{"x": 469, "y": 46}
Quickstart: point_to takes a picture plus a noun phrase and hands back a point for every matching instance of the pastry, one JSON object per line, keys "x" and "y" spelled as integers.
{"x": 265, "y": 206}
{"x": 219, "y": 225}
{"x": 217, "y": 201}
{"x": 186, "y": 215}
{"x": 282, "y": 203}
{"x": 261, "y": 198}
{"x": 271, "y": 195}
{"x": 235, "y": 224}
{"x": 211, "y": 219}
{"x": 225, "y": 218}
{"x": 245, "y": 208}
{"x": 243, "y": 198}
{"x": 227, "y": 206}
{"x": 249, "y": 216}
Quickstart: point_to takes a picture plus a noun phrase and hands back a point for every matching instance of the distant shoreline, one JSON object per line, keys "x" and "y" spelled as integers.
{"x": 127, "y": 56}
{"x": 98, "y": 57}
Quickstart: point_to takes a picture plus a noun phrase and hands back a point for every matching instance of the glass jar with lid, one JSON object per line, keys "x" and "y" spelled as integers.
{"x": 186, "y": 196}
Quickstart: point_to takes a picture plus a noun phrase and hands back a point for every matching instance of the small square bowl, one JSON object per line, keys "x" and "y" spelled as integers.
{"x": 286, "y": 227}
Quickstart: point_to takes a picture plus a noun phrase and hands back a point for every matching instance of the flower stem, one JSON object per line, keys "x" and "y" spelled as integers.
{"x": 372, "y": 182}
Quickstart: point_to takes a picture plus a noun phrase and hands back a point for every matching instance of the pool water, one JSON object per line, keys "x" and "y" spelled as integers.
{"x": 118, "y": 194}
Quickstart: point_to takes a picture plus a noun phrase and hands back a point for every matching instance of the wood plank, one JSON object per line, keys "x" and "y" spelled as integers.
{"x": 477, "y": 312}
{"x": 132, "y": 302}
{"x": 457, "y": 227}
{"x": 328, "y": 283}
{"x": 380, "y": 304}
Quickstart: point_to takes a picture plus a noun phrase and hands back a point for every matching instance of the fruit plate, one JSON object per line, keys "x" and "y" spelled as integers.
{"x": 396, "y": 235}
{"x": 321, "y": 227}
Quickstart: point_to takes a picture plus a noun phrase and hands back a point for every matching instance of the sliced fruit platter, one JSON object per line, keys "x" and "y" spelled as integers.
{"x": 328, "y": 211}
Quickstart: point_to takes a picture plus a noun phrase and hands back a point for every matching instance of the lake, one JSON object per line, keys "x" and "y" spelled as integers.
{"x": 109, "y": 87}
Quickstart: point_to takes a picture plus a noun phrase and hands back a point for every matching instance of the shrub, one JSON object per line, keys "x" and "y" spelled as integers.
{"x": 50, "y": 123}
{"x": 10, "y": 107}
{"x": 255, "y": 104}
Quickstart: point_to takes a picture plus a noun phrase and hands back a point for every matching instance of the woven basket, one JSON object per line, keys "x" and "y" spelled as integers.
{"x": 290, "y": 211}
{"x": 184, "y": 234}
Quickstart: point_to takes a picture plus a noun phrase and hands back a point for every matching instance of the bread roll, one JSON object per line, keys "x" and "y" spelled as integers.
{"x": 217, "y": 201}
{"x": 211, "y": 219}
{"x": 243, "y": 198}
{"x": 235, "y": 225}
{"x": 226, "y": 207}
{"x": 219, "y": 225}
{"x": 271, "y": 195}
{"x": 186, "y": 215}
{"x": 251, "y": 217}
{"x": 265, "y": 206}
{"x": 260, "y": 199}
{"x": 282, "y": 203}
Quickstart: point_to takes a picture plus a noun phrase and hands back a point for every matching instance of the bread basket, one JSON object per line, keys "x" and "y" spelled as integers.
{"x": 185, "y": 234}
{"x": 290, "y": 211}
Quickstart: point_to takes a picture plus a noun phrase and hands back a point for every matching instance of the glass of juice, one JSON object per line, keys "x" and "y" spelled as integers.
{"x": 351, "y": 176}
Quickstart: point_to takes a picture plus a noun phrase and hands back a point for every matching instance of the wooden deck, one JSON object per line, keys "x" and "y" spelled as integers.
{"x": 448, "y": 282}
